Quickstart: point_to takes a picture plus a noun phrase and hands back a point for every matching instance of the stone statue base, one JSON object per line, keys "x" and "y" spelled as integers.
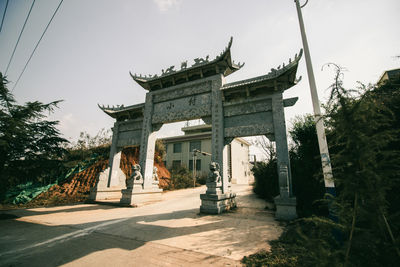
{"x": 217, "y": 203}
{"x": 155, "y": 184}
{"x": 102, "y": 192}
{"x": 107, "y": 193}
{"x": 138, "y": 195}
{"x": 285, "y": 208}
{"x": 214, "y": 201}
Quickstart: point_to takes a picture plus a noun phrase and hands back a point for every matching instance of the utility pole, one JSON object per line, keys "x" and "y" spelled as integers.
{"x": 194, "y": 167}
{"x": 319, "y": 123}
{"x": 195, "y": 151}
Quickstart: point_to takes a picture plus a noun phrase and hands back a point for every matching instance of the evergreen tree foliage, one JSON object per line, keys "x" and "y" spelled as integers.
{"x": 306, "y": 170}
{"x": 266, "y": 179}
{"x": 30, "y": 146}
{"x": 366, "y": 168}
{"x": 363, "y": 128}
{"x": 305, "y": 161}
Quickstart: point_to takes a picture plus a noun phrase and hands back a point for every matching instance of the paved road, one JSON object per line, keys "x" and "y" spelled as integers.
{"x": 166, "y": 233}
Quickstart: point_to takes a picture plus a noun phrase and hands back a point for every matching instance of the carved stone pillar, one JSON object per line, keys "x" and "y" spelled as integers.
{"x": 285, "y": 202}
{"x": 218, "y": 197}
{"x": 147, "y": 143}
{"x": 148, "y": 165}
{"x": 143, "y": 189}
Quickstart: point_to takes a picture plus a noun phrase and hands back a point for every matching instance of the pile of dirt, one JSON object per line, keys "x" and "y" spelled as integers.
{"x": 77, "y": 187}
{"x": 130, "y": 157}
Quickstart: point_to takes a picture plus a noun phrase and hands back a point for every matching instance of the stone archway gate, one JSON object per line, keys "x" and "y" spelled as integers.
{"x": 245, "y": 108}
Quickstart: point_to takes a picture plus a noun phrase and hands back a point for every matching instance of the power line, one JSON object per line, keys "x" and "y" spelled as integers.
{"x": 4, "y": 14}
{"x": 41, "y": 37}
{"x": 19, "y": 37}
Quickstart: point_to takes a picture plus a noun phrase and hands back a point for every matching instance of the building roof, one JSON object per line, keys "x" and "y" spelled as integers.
{"x": 197, "y": 135}
{"x": 187, "y": 137}
{"x": 202, "y": 67}
{"x": 273, "y": 74}
{"x": 197, "y": 129}
{"x": 241, "y": 140}
{"x": 389, "y": 75}
{"x": 121, "y": 112}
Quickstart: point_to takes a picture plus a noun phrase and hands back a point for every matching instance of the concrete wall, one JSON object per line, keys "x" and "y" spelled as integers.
{"x": 241, "y": 173}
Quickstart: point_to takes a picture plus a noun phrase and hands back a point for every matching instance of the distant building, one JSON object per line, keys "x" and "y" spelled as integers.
{"x": 389, "y": 75}
{"x": 180, "y": 153}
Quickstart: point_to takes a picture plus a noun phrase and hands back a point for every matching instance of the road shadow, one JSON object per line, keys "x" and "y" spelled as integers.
{"x": 228, "y": 234}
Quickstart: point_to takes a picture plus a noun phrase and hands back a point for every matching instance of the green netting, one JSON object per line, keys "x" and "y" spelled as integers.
{"x": 25, "y": 193}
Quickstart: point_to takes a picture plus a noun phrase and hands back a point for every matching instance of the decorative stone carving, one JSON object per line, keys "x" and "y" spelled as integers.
{"x": 243, "y": 108}
{"x": 284, "y": 176}
{"x": 135, "y": 178}
{"x": 169, "y": 70}
{"x": 183, "y": 90}
{"x": 199, "y": 61}
{"x": 155, "y": 175}
{"x": 214, "y": 176}
{"x": 184, "y": 65}
{"x": 137, "y": 175}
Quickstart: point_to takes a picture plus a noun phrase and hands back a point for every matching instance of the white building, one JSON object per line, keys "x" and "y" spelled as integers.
{"x": 180, "y": 153}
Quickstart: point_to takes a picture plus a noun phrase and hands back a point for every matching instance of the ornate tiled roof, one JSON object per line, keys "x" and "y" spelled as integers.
{"x": 202, "y": 67}
{"x": 121, "y": 110}
{"x": 274, "y": 73}
{"x": 224, "y": 59}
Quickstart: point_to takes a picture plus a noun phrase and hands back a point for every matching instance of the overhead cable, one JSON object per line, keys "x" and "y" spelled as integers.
{"x": 41, "y": 37}
{"x": 19, "y": 37}
{"x": 4, "y": 14}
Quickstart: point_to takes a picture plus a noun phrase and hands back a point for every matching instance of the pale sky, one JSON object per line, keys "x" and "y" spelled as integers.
{"x": 91, "y": 45}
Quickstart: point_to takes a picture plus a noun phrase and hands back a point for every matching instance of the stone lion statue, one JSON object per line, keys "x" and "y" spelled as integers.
{"x": 136, "y": 175}
{"x": 214, "y": 176}
{"x": 155, "y": 175}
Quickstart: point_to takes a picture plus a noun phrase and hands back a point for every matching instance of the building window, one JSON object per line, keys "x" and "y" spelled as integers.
{"x": 178, "y": 148}
{"x": 195, "y": 145}
{"x": 176, "y": 164}
{"x": 198, "y": 165}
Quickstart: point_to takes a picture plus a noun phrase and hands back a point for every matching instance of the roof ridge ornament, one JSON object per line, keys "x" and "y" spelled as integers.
{"x": 183, "y": 65}
{"x": 284, "y": 67}
{"x": 168, "y": 70}
{"x": 200, "y": 61}
{"x": 223, "y": 60}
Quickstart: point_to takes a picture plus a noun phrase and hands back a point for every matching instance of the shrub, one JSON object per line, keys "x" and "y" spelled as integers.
{"x": 305, "y": 242}
{"x": 307, "y": 180}
{"x": 266, "y": 179}
{"x": 305, "y": 161}
{"x": 181, "y": 178}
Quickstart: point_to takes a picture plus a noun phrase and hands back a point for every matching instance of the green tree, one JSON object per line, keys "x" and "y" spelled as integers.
{"x": 30, "y": 146}
{"x": 363, "y": 134}
{"x": 305, "y": 161}
{"x": 366, "y": 168}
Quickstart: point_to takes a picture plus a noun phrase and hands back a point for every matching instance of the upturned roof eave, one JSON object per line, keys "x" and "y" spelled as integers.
{"x": 114, "y": 112}
{"x": 273, "y": 74}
